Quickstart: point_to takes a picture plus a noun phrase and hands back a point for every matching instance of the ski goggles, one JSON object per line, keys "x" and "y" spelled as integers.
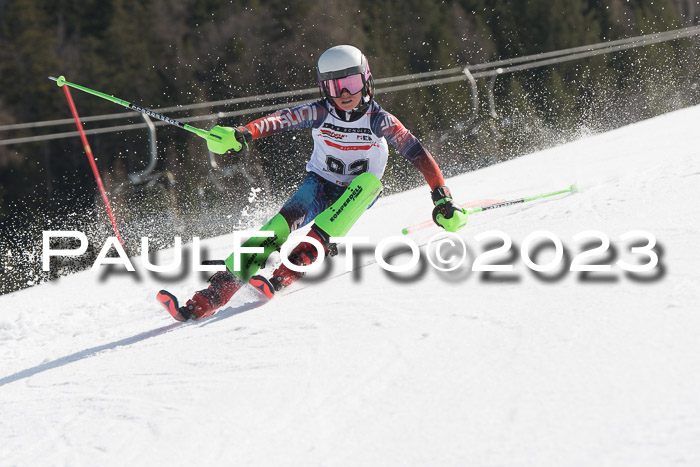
{"x": 353, "y": 84}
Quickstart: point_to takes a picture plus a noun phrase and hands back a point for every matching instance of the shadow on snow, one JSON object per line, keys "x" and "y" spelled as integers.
{"x": 93, "y": 351}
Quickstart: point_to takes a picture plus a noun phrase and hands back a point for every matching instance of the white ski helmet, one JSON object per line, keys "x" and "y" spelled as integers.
{"x": 344, "y": 67}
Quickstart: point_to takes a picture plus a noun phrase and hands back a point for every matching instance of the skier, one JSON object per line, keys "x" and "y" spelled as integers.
{"x": 350, "y": 132}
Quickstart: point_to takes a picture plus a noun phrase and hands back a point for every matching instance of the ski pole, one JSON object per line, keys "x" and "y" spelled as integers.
{"x": 219, "y": 139}
{"x": 429, "y": 222}
{"x": 572, "y": 189}
{"x": 471, "y": 210}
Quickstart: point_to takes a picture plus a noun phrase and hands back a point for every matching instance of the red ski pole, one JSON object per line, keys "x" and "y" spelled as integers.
{"x": 95, "y": 172}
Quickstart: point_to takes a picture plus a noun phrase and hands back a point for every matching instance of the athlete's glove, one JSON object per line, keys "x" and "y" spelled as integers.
{"x": 446, "y": 213}
{"x": 222, "y": 139}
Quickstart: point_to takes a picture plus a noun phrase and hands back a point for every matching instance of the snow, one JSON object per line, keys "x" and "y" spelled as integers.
{"x": 369, "y": 368}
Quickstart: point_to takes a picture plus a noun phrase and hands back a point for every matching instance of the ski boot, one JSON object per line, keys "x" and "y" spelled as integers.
{"x": 303, "y": 254}
{"x": 205, "y": 302}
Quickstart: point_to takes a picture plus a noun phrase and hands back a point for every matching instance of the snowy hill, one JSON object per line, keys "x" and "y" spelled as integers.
{"x": 421, "y": 368}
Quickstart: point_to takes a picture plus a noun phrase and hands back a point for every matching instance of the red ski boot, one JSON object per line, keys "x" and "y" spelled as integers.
{"x": 303, "y": 254}
{"x": 206, "y": 302}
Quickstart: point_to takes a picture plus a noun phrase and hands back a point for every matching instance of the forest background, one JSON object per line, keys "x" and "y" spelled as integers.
{"x": 163, "y": 53}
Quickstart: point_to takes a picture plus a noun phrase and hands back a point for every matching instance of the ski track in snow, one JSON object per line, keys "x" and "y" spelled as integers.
{"x": 365, "y": 369}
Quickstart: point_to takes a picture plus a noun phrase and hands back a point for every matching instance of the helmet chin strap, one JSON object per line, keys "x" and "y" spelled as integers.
{"x": 352, "y": 115}
{"x": 361, "y": 105}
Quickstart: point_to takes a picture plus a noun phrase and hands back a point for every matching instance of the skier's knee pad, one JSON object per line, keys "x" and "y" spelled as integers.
{"x": 251, "y": 262}
{"x": 337, "y": 220}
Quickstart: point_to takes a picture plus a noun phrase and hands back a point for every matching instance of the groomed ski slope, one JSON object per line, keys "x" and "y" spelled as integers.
{"x": 366, "y": 369}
